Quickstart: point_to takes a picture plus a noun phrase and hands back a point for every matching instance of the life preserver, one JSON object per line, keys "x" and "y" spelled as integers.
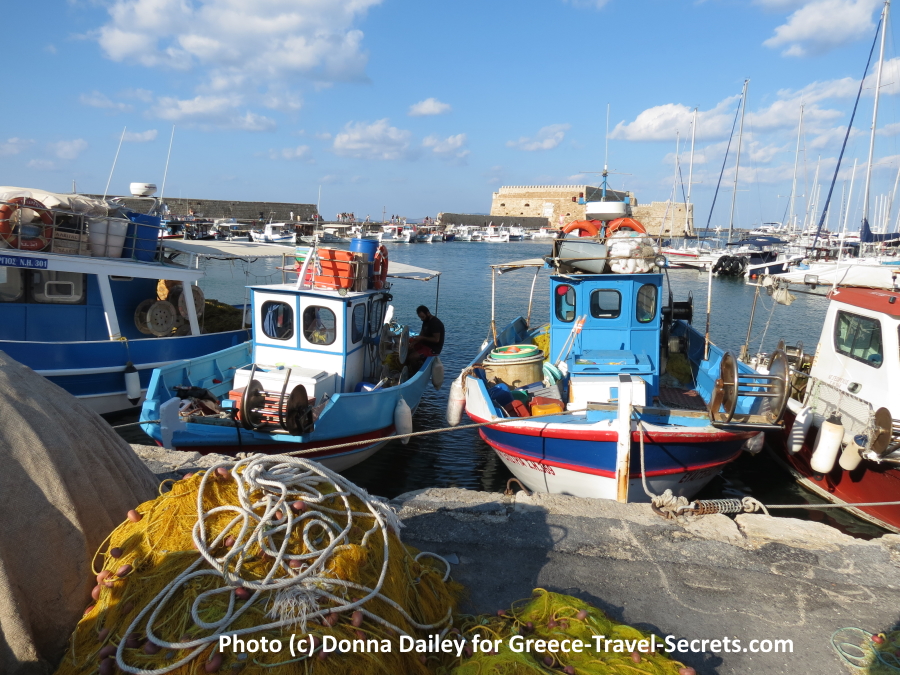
{"x": 629, "y": 223}
{"x": 38, "y": 243}
{"x": 380, "y": 267}
{"x": 588, "y": 228}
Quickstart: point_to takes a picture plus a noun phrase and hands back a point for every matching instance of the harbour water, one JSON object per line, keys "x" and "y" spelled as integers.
{"x": 462, "y": 300}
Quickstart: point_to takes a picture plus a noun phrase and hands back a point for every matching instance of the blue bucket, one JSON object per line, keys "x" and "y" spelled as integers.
{"x": 370, "y": 248}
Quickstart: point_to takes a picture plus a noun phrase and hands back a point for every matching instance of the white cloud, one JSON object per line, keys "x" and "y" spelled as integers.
{"x": 452, "y": 146}
{"x": 377, "y": 140}
{"x": 69, "y": 149}
{"x": 546, "y": 138}
{"x": 41, "y": 164}
{"x": 290, "y": 153}
{"x": 595, "y": 4}
{"x": 220, "y": 110}
{"x": 97, "y": 100}
{"x": 144, "y": 95}
{"x": 660, "y": 123}
{"x": 822, "y": 25}
{"x": 13, "y": 146}
{"x": 430, "y": 106}
{"x": 232, "y": 42}
{"x": 141, "y": 136}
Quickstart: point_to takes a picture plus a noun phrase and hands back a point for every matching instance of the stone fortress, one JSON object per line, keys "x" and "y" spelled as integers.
{"x": 561, "y": 204}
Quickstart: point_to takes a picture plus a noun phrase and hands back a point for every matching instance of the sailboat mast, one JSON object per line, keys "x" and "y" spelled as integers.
{"x": 796, "y": 161}
{"x": 884, "y": 19}
{"x": 688, "y": 219}
{"x": 737, "y": 163}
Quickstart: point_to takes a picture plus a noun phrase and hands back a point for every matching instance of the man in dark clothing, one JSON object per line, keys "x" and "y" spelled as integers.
{"x": 430, "y": 340}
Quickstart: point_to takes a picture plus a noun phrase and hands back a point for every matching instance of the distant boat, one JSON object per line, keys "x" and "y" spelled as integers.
{"x": 274, "y": 233}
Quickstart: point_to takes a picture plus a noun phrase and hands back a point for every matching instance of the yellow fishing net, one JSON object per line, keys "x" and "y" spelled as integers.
{"x": 205, "y": 577}
{"x": 281, "y": 547}
{"x": 524, "y": 633}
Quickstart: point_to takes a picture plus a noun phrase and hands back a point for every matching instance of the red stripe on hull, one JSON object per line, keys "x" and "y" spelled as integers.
{"x": 602, "y": 472}
{"x": 605, "y": 435}
{"x": 869, "y": 482}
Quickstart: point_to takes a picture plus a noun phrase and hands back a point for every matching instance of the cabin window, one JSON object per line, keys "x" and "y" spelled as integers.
{"x": 606, "y": 304}
{"x": 565, "y": 303}
{"x": 12, "y": 284}
{"x": 277, "y": 320}
{"x": 645, "y": 307}
{"x": 859, "y": 337}
{"x": 375, "y": 316}
{"x": 319, "y": 325}
{"x": 56, "y": 288}
{"x": 358, "y": 325}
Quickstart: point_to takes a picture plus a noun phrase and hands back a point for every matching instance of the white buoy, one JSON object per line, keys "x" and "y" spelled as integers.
{"x": 437, "y": 373}
{"x": 797, "y": 436}
{"x": 828, "y": 445}
{"x": 754, "y": 444}
{"x": 132, "y": 383}
{"x": 851, "y": 456}
{"x": 456, "y": 402}
{"x": 403, "y": 419}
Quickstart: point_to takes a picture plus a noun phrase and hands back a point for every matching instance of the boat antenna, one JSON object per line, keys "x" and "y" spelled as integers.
{"x": 115, "y": 159}
{"x": 837, "y": 168}
{"x": 162, "y": 191}
{"x": 605, "y": 156}
{"x": 737, "y": 164}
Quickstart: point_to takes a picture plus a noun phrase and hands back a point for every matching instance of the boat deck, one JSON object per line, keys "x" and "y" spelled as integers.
{"x": 681, "y": 399}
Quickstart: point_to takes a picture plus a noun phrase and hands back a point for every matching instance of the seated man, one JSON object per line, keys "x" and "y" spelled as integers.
{"x": 430, "y": 340}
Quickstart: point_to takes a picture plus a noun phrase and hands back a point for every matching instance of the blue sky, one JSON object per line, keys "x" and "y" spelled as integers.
{"x": 419, "y": 107}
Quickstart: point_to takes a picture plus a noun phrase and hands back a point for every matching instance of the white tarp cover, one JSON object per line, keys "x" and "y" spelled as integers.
{"x": 87, "y": 206}
{"x": 67, "y": 481}
{"x": 847, "y": 274}
{"x": 399, "y": 270}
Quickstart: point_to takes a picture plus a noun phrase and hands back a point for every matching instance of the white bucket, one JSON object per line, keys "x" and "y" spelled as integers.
{"x": 106, "y": 237}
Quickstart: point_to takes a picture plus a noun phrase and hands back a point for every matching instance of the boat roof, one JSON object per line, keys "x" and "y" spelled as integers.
{"x": 226, "y": 250}
{"x": 519, "y": 264}
{"x": 885, "y": 277}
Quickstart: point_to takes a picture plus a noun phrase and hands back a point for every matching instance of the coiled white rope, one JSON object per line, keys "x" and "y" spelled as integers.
{"x": 303, "y": 583}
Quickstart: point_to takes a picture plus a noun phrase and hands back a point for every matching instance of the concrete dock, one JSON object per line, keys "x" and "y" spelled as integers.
{"x": 750, "y": 578}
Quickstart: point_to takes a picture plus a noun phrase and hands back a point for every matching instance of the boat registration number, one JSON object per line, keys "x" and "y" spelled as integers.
{"x": 21, "y": 261}
{"x": 700, "y": 474}
{"x": 528, "y": 464}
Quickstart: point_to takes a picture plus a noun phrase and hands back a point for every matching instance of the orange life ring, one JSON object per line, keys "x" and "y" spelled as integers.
{"x": 628, "y": 223}
{"x": 588, "y": 228}
{"x": 381, "y": 267}
{"x": 38, "y": 243}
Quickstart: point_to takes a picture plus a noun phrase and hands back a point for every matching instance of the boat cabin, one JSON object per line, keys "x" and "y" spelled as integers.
{"x": 320, "y": 335}
{"x": 620, "y": 334}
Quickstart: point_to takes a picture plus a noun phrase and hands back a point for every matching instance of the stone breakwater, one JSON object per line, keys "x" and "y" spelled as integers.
{"x": 750, "y": 578}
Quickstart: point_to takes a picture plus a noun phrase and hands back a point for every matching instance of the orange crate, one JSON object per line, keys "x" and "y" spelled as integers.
{"x": 546, "y": 409}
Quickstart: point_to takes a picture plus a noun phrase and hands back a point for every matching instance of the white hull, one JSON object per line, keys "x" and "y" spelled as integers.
{"x": 556, "y": 480}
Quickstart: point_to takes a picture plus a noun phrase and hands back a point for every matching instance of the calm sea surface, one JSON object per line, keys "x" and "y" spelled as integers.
{"x": 462, "y": 300}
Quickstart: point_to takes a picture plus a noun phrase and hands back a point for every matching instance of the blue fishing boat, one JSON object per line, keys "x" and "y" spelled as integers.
{"x": 327, "y": 366}
{"x": 618, "y": 397}
{"x": 80, "y": 294}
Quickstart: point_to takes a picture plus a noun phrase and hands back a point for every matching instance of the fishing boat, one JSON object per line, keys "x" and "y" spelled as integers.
{"x": 93, "y": 299}
{"x": 274, "y": 233}
{"x": 842, "y": 438}
{"x": 328, "y": 235}
{"x": 424, "y": 236}
{"x": 516, "y": 233}
{"x": 618, "y": 397}
{"x": 495, "y": 235}
{"x": 327, "y": 366}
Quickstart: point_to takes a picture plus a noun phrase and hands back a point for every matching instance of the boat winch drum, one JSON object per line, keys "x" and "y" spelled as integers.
{"x": 516, "y": 372}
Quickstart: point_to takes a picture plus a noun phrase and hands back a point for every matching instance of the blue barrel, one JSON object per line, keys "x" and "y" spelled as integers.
{"x": 370, "y": 248}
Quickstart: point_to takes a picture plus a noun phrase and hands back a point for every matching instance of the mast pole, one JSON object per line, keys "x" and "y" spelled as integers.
{"x": 865, "y": 213}
{"x": 162, "y": 192}
{"x": 688, "y": 219}
{"x": 791, "y": 220}
{"x": 737, "y": 163}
